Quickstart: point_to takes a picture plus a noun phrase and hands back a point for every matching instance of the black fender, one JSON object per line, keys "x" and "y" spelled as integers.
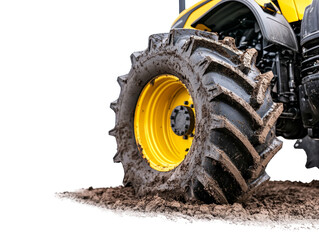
{"x": 274, "y": 27}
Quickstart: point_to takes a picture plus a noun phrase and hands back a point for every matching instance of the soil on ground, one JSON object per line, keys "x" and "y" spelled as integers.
{"x": 276, "y": 201}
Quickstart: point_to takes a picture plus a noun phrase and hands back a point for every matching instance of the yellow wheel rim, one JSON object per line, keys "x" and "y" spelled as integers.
{"x": 160, "y": 106}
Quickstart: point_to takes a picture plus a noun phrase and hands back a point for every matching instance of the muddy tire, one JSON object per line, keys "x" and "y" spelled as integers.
{"x": 235, "y": 118}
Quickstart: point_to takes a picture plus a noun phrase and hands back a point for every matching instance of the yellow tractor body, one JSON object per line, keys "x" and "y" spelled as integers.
{"x": 292, "y": 10}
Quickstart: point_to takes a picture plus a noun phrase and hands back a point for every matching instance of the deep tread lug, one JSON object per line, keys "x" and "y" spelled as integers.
{"x": 176, "y": 34}
{"x": 263, "y": 83}
{"x": 117, "y": 157}
{"x": 220, "y": 156}
{"x": 122, "y": 80}
{"x": 212, "y": 187}
{"x": 266, "y": 156}
{"x": 114, "y": 106}
{"x": 113, "y": 132}
{"x": 224, "y": 123}
{"x": 229, "y": 41}
{"x": 155, "y": 40}
{"x": 214, "y": 65}
{"x": 226, "y": 51}
{"x": 248, "y": 59}
{"x": 134, "y": 57}
{"x": 268, "y": 121}
{"x": 219, "y": 91}
{"x": 254, "y": 186}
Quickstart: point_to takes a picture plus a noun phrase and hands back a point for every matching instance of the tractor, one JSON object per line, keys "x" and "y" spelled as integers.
{"x": 200, "y": 110}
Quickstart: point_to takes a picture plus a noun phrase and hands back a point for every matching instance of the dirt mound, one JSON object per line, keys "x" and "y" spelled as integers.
{"x": 276, "y": 201}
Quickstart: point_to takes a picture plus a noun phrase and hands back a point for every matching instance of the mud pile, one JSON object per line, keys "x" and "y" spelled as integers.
{"x": 276, "y": 201}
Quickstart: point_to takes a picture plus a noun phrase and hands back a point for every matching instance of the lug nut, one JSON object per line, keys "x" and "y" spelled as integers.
{"x": 185, "y": 137}
{"x": 186, "y": 102}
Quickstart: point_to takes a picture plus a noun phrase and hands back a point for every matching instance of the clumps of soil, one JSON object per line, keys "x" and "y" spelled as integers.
{"x": 276, "y": 201}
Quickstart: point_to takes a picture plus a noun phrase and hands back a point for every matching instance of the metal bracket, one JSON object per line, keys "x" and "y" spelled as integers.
{"x": 311, "y": 147}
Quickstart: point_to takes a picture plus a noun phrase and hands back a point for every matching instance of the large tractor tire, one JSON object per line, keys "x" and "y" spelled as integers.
{"x": 195, "y": 119}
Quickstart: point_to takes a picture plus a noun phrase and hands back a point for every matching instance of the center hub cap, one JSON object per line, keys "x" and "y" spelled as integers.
{"x": 182, "y": 120}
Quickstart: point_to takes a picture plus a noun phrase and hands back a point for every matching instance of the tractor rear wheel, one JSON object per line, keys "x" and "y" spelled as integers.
{"x": 195, "y": 119}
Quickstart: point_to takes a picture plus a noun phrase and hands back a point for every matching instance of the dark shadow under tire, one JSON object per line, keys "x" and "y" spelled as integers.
{"x": 235, "y": 118}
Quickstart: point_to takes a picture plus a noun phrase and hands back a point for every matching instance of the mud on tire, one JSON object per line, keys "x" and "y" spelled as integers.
{"x": 235, "y": 118}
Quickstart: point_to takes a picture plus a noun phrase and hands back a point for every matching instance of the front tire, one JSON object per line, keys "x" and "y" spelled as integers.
{"x": 234, "y": 137}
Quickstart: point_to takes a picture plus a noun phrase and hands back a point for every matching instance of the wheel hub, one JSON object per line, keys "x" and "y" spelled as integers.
{"x": 182, "y": 120}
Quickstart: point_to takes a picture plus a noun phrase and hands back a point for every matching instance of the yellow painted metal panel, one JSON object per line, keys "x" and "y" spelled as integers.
{"x": 288, "y": 9}
{"x": 199, "y": 12}
{"x": 300, "y": 6}
{"x": 187, "y": 10}
{"x": 293, "y": 10}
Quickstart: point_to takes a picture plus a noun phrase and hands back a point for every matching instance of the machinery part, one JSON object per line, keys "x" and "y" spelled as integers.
{"x": 285, "y": 90}
{"x": 311, "y": 147}
{"x": 274, "y": 27}
{"x": 233, "y": 110}
{"x": 181, "y": 5}
{"x": 309, "y": 89}
{"x": 309, "y": 104}
{"x": 182, "y": 120}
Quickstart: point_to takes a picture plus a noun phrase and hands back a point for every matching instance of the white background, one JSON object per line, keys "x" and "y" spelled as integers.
{"x": 59, "y": 61}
